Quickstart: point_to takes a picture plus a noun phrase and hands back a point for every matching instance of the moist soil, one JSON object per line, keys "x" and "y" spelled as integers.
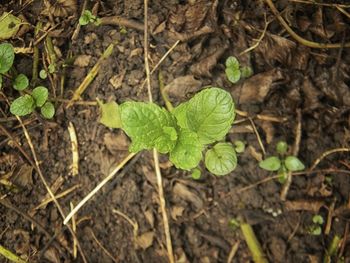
{"x": 305, "y": 89}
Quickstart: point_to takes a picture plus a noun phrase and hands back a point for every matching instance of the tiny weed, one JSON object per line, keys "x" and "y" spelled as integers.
{"x": 234, "y": 71}
{"x": 88, "y": 18}
{"x": 197, "y": 125}
{"x": 28, "y": 101}
{"x": 316, "y": 227}
{"x": 282, "y": 164}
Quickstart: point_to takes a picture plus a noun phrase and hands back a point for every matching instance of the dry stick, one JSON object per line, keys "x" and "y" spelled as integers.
{"x": 120, "y": 21}
{"x": 320, "y": 4}
{"x": 98, "y": 187}
{"x": 257, "y": 135}
{"x": 11, "y": 256}
{"x": 102, "y": 247}
{"x": 29, "y": 140}
{"x": 298, "y": 38}
{"x": 90, "y": 76}
{"x": 295, "y": 152}
{"x": 233, "y": 252}
{"x": 155, "y": 153}
{"x": 325, "y": 154}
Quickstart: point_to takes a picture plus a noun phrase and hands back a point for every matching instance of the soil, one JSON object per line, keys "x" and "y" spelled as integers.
{"x": 288, "y": 78}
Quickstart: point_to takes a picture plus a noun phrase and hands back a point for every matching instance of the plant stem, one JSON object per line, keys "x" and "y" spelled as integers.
{"x": 10, "y": 256}
{"x": 165, "y": 97}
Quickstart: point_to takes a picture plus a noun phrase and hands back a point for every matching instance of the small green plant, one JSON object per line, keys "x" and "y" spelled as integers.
{"x": 282, "y": 163}
{"x": 87, "y": 17}
{"x": 26, "y": 103}
{"x": 316, "y": 227}
{"x": 234, "y": 71}
{"x": 193, "y": 127}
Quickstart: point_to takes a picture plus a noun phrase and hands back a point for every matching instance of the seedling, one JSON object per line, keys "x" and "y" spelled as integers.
{"x": 184, "y": 133}
{"x": 87, "y": 18}
{"x": 234, "y": 71}
{"x": 26, "y": 103}
{"x": 316, "y": 227}
{"x": 282, "y": 163}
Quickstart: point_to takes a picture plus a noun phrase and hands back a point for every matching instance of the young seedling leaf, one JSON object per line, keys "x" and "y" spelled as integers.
{"x": 221, "y": 159}
{"x": 282, "y": 174}
{"x": 239, "y": 146}
{"x": 180, "y": 115}
{"x": 293, "y": 164}
{"x": 272, "y": 163}
{"x": 196, "y": 174}
{"x": 210, "y": 114}
{"x": 246, "y": 72}
{"x": 232, "y": 62}
{"x": 318, "y": 219}
{"x": 51, "y": 68}
{"x": 7, "y": 56}
{"x": 110, "y": 114}
{"x": 281, "y": 147}
{"x": 149, "y": 126}
{"x": 40, "y": 95}
{"x": 21, "y": 82}
{"x": 48, "y": 110}
{"x": 43, "y": 74}
{"x": 23, "y": 105}
{"x": 233, "y": 75}
{"x": 9, "y": 25}
{"x": 86, "y": 18}
{"x": 187, "y": 152}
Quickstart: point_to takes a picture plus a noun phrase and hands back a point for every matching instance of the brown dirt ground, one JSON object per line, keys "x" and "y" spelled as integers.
{"x": 287, "y": 77}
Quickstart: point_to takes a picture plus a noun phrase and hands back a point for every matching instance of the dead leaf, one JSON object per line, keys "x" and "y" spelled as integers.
{"x": 186, "y": 194}
{"x": 176, "y": 211}
{"x": 254, "y": 153}
{"x": 160, "y": 28}
{"x": 60, "y": 8}
{"x": 149, "y": 216}
{"x": 116, "y": 142}
{"x": 82, "y": 61}
{"x": 182, "y": 86}
{"x": 117, "y": 80}
{"x": 256, "y": 88}
{"x": 268, "y": 129}
{"x": 136, "y": 52}
{"x": 24, "y": 176}
{"x": 304, "y": 205}
{"x": 311, "y": 95}
{"x": 145, "y": 240}
{"x": 52, "y": 255}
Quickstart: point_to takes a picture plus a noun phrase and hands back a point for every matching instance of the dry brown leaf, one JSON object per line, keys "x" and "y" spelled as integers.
{"x": 160, "y": 28}
{"x": 254, "y": 153}
{"x": 176, "y": 211}
{"x": 52, "y": 255}
{"x": 311, "y": 95}
{"x": 186, "y": 194}
{"x": 135, "y": 52}
{"x": 117, "y": 80}
{"x": 116, "y": 142}
{"x": 305, "y": 205}
{"x": 145, "y": 240}
{"x": 268, "y": 129}
{"x": 82, "y": 61}
{"x": 256, "y": 88}
{"x": 182, "y": 86}
{"x": 24, "y": 176}
{"x": 149, "y": 216}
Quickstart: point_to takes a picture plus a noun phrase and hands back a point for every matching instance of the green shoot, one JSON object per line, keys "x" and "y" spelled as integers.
{"x": 234, "y": 71}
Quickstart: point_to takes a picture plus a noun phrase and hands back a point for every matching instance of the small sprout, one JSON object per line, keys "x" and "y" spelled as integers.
{"x": 318, "y": 219}
{"x": 21, "y": 82}
{"x": 7, "y": 56}
{"x": 234, "y": 224}
{"x": 281, "y": 147}
{"x": 234, "y": 71}
{"x": 282, "y": 174}
{"x": 239, "y": 146}
{"x": 196, "y": 174}
{"x": 48, "y": 110}
{"x": 272, "y": 164}
{"x": 123, "y": 30}
{"x": 246, "y": 72}
{"x": 87, "y": 17}
{"x": 51, "y": 68}
{"x": 43, "y": 74}
{"x": 316, "y": 228}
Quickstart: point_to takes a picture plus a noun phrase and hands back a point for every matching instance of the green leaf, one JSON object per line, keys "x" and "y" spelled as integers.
{"x": 40, "y": 95}
{"x": 315, "y": 230}
{"x": 149, "y": 126}
{"x": 221, "y": 159}
{"x": 282, "y": 174}
{"x": 110, "y": 114}
{"x": 272, "y": 163}
{"x": 293, "y": 164}
{"x": 318, "y": 219}
{"x": 233, "y": 75}
{"x": 9, "y": 25}
{"x": 188, "y": 150}
{"x": 48, "y": 110}
{"x": 43, "y": 74}
{"x": 196, "y": 174}
{"x": 281, "y": 147}
{"x": 232, "y": 62}
{"x": 21, "y": 82}
{"x": 51, "y": 68}
{"x": 86, "y": 18}
{"x": 0, "y": 81}
{"x": 210, "y": 114}
{"x": 239, "y": 146}
{"x": 23, "y": 105}
{"x": 7, "y": 56}
{"x": 246, "y": 72}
